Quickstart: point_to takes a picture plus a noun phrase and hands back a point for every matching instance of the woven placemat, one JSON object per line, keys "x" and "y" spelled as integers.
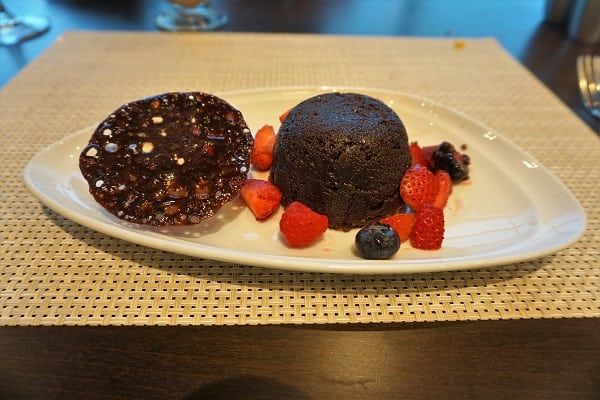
{"x": 53, "y": 271}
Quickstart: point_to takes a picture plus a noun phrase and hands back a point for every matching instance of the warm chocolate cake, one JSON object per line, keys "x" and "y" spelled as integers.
{"x": 172, "y": 159}
{"x": 343, "y": 155}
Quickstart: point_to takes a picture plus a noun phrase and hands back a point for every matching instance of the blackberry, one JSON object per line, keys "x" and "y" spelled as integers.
{"x": 445, "y": 159}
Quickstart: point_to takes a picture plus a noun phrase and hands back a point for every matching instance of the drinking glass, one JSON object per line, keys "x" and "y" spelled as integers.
{"x": 16, "y": 28}
{"x": 189, "y": 15}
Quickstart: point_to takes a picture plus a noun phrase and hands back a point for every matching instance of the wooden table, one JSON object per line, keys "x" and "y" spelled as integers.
{"x": 548, "y": 358}
{"x": 522, "y": 359}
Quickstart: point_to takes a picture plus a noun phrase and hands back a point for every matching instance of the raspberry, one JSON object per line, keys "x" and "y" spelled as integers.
{"x": 428, "y": 231}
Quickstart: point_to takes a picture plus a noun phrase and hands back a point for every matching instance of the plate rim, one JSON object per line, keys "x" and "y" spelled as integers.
{"x": 307, "y": 264}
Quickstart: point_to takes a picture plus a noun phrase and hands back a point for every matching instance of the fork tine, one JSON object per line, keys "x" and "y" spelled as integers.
{"x": 583, "y": 85}
{"x": 596, "y": 69}
{"x": 591, "y": 82}
{"x": 584, "y": 88}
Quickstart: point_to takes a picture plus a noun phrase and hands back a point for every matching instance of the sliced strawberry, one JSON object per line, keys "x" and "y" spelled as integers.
{"x": 283, "y": 116}
{"x": 262, "y": 151}
{"x": 301, "y": 226}
{"x": 261, "y": 197}
{"x": 444, "y": 188}
{"x": 417, "y": 187}
{"x": 428, "y": 230}
{"x": 417, "y": 155}
{"x": 401, "y": 223}
{"x": 428, "y": 156}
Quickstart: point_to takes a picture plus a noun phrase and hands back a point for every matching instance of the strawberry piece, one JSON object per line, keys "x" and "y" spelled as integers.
{"x": 283, "y": 116}
{"x": 427, "y": 152}
{"x": 301, "y": 226}
{"x": 417, "y": 155}
{"x": 417, "y": 187}
{"x": 444, "y": 188}
{"x": 401, "y": 223}
{"x": 261, "y": 197}
{"x": 262, "y": 150}
{"x": 428, "y": 230}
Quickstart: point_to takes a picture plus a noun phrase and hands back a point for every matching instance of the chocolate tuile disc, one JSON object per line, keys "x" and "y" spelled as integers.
{"x": 170, "y": 159}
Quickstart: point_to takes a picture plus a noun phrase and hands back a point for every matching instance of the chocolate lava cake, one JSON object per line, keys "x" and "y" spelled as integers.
{"x": 171, "y": 159}
{"x": 343, "y": 155}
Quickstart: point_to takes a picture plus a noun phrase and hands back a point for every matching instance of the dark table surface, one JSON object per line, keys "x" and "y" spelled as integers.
{"x": 528, "y": 359}
{"x": 518, "y": 25}
{"x": 524, "y": 359}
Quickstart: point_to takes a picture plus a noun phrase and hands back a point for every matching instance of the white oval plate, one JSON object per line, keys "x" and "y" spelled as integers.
{"x": 513, "y": 209}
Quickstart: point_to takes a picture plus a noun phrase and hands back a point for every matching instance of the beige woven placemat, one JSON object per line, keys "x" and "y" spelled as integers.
{"x": 53, "y": 271}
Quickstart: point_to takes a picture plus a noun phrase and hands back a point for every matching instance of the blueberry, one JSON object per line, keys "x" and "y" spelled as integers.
{"x": 405, "y": 209}
{"x": 377, "y": 242}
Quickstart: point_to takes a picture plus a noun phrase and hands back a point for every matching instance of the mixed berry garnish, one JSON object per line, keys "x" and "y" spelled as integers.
{"x": 424, "y": 188}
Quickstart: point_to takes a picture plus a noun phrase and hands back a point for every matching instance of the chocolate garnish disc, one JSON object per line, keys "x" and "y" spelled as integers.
{"x": 171, "y": 159}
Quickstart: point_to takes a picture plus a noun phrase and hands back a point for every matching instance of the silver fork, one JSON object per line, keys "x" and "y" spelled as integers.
{"x": 588, "y": 73}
